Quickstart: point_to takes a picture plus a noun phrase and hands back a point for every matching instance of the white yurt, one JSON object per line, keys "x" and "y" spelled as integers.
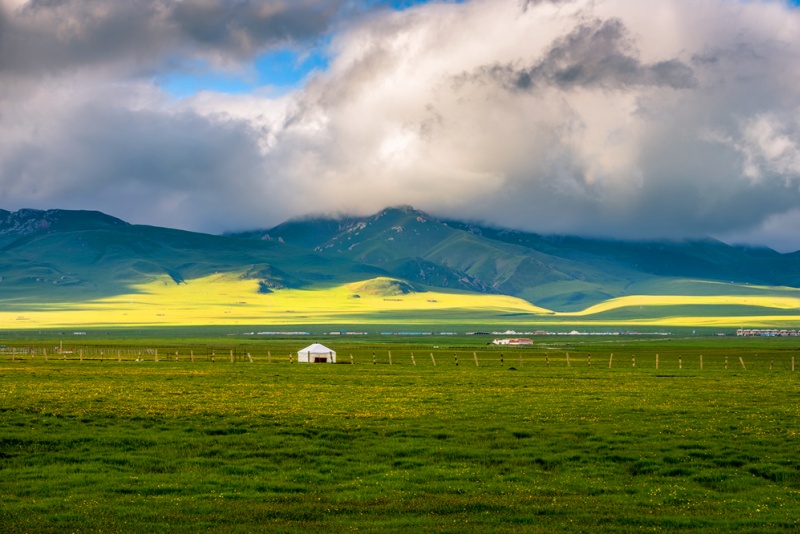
{"x": 316, "y": 353}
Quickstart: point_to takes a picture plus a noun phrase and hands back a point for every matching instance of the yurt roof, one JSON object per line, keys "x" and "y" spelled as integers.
{"x": 317, "y": 348}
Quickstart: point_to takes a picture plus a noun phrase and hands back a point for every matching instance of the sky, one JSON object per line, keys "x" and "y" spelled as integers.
{"x": 676, "y": 119}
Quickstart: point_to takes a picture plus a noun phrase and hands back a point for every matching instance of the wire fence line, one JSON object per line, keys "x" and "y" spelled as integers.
{"x": 685, "y": 361}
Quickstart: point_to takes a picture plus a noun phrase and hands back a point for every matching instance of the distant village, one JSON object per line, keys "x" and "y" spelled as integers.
{"x": 516, "y": 340}
{"x": 765, "y": 332}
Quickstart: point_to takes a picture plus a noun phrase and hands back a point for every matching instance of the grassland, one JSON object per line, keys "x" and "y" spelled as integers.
{"x": 228, "y": 299}
{"x": 519, "y": 447}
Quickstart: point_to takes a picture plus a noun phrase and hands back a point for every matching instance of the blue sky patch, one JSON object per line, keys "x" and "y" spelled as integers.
{"x": 283, "y": 70}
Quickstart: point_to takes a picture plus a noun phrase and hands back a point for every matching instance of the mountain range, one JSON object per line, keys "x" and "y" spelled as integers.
{"x": 60, "y": 255}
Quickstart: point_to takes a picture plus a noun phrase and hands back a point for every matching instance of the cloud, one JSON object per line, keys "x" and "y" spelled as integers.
{"x": 597, "y": 54}
{"x": 175, "y": 168}
{"x": 579, "y": 117}
{"x": 53, "y": 36}
{"x": 606, "y": 117}
{"x": 770, "y": 146}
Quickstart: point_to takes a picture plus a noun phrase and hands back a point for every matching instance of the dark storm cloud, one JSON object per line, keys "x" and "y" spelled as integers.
{"x": 239, "y": 26}
{"x": 176, "y": 169}
{"x": 595, "y": 55}
{"x": 58, "y": 35}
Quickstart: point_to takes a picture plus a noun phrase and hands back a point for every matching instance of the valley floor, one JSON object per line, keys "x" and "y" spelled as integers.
{"x": 535, "y": 445}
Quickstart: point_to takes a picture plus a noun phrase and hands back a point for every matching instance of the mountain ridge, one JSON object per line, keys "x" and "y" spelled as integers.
{"x": 561, "y": 271}
{"x": 85, "y": 254}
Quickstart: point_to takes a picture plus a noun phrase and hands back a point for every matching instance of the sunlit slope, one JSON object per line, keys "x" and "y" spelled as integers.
{"x": 417, "y": 247}
{"x": 719, "y": 303}
{"x": 229, "y": 299}
{"x": 711, "y": 304}
{"x": 84, "y": 261}
{"x": 60, "y": 256}
{"x": 558, "y": 272}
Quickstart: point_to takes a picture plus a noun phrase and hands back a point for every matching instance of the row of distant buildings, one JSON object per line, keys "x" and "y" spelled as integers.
{"x": 513, "y": 341}
{"x": 766, "y": 332}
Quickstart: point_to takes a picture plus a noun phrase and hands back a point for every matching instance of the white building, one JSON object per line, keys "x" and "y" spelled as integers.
{"x": 513, "y": 341}
{"x": 316, "y": 353}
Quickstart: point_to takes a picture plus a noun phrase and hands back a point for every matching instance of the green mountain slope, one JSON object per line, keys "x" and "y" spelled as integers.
{"x": 413, "y": 245}
{"x": 60, "y": 255}
{"x": 558, "y": 272}
{"x": 55, "y": 255}
{"x": 705, "y": 259}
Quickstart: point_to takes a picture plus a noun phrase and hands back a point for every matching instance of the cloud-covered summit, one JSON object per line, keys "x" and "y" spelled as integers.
{"x": 604, "y": 117}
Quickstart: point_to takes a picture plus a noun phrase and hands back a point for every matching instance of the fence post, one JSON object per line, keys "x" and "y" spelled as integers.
{"x": 610, "y": 359}
{"x": 249, "y": 357}
{"x": 191, "y": 355}
{"x": 475, "y": 355}
{"x": 156, "y": 355}
{"x": 390, "y": 357}
{"x": 568, "y": 364}
{"x": 656, "y": 361}
{"x": 701, "y": 362}
{"x": 742, "y": 362}
{"x": 433, "y": 360}
{"x": 351, "y": 359}
{"x": 413, "y": 360}
{"x": 269, "y": 357}
{"x": 231, "y": 355}
{"x": 119, "y": 356}
{"x": 792, "y": 363}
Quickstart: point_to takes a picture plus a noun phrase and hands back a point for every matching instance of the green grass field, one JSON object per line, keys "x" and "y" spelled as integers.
{"x": 108, "y": 446}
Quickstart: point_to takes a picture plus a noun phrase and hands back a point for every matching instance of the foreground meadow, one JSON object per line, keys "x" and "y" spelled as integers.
{"x": 245, "y": 447}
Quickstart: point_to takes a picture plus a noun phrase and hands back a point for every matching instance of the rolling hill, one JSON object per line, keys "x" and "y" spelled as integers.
{"x": 558, "y": 272}
{"x": 49, "y": 256}
{"x": 400, "y": 264}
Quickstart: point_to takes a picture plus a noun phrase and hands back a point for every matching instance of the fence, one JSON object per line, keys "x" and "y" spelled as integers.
{"x": 686, "y": 361}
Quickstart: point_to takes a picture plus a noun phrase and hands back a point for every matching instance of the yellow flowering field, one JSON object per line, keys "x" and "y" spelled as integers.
{"x": 227, "y": 299}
